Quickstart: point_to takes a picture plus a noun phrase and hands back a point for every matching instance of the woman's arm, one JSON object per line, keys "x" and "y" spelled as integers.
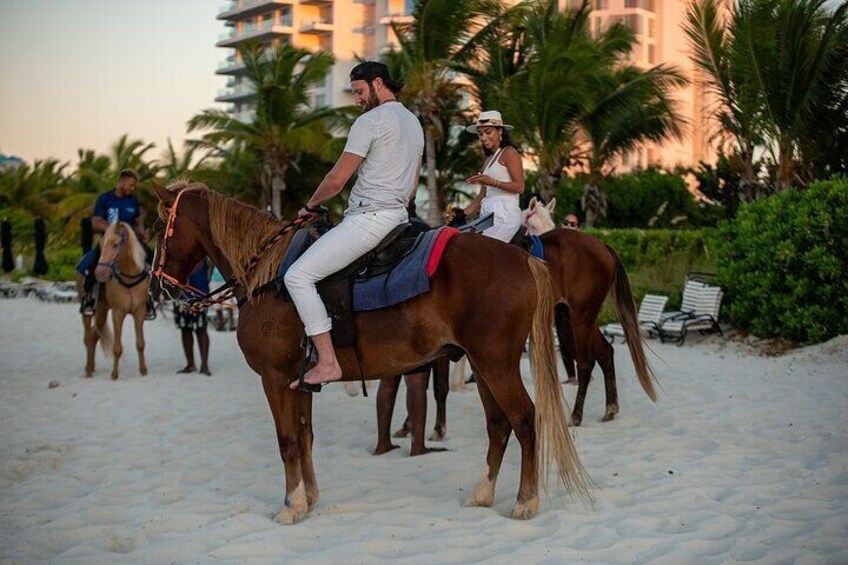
{"x": 512, "y": 162}
{"x": 474, "y": 207}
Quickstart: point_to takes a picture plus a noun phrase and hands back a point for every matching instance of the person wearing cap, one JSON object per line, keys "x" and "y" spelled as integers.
{"x": 501, "y": 177}
{"x": 384, "y": 148}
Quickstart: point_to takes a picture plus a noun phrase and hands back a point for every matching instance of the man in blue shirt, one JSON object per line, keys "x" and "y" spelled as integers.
{"x": 118, "y": 205}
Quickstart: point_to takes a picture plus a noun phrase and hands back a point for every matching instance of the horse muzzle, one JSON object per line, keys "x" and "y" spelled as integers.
{"x": 102, "y": 273}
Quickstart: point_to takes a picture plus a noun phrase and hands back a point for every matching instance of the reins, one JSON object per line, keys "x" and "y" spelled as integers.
{"x": 227, "y": 291}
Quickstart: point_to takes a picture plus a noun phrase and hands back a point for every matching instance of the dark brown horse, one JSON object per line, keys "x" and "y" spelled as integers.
{"x": 471, "y": 307}
{"x": 585, "y": 270}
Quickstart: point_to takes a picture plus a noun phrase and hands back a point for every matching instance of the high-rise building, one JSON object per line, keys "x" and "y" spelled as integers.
{"x": 346, "y": 28}
{"x": 658, "y": 26}
{"x": 362, "y": 28}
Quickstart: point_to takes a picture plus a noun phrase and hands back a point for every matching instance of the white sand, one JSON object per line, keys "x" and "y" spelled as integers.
{"x": 742, "y": 460}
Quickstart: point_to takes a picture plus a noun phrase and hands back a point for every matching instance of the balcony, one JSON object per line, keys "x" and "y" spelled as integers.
{"x": 265, "y": 30}
{"x": 396, "y": 18}
{"x": 315, "y": 2}
{"x": 238, "y": 92}
{"x": 244, "y": 9}
{"x": 317, "y": 27}
{"x": 367, "y": 29}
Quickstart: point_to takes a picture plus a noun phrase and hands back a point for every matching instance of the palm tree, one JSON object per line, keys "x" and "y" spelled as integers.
{"x": 547, "y": 97}
{"x": 428, "y": 46}
{"x": 719, "y": 51}
{"x": 775, "y": 66}
{"x": 284, "y": 124}
{"x": 628, "y": 108}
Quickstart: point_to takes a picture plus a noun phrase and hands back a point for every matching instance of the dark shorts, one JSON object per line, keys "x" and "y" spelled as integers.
{"x": 185, "y": 319}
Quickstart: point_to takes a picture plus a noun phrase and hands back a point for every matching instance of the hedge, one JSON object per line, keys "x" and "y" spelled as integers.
{"x": 783, "y": 262}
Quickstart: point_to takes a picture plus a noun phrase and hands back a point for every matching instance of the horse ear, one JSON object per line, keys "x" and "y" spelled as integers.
{"x": 551, "y": 205}
{"x": 163, "y": 194}
{"x": 533, "y": 203}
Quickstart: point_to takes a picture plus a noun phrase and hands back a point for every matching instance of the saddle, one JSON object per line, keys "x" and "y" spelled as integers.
{"x": 336, "y": 290}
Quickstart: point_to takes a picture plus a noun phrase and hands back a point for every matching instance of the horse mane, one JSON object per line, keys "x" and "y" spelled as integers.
{"x": 239, "y": 231}
{"x": 137, "y": 253}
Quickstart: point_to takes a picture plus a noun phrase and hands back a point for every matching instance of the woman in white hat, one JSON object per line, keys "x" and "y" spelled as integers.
{"x": 501, "y": 177}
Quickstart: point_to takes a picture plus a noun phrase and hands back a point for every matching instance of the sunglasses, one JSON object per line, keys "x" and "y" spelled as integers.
{"x": 570, "y": 224}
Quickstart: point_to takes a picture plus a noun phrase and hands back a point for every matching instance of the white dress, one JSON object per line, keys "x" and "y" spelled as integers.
{"x": 501, "y": 203}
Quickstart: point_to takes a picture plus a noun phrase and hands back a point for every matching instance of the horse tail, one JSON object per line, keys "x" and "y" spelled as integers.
{"x": 625, "y": 309}
{"x": 553, "y": 438}
{"x": 107, "y": 340}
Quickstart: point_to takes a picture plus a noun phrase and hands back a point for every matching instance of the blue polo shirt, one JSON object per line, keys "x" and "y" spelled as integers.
{"x": 114, "y": 208}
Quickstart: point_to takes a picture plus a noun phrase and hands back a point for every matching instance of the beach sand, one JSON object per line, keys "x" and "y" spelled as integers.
{"x": 743, "y": 459}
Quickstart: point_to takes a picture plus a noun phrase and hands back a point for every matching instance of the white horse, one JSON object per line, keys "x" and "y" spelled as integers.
{"x": 538, "y": 218}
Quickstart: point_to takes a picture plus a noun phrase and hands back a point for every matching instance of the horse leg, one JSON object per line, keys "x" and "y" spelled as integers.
{"x": 583, "y": 334}
{"x": 504, "y": 382}
{"x": 117, "y": 348}
{"x": 307, "y": 437}
{"x": 89, "y": 339}
{"x": 605, "y": 354}
{"x": 138, "y": 319}
{"x": 386, "y": 395}
{"x": 285, "y": 408}
{"x": 498, "y": 430}
{"x": 565, "y": 336}
{"x": 441, "y": 386}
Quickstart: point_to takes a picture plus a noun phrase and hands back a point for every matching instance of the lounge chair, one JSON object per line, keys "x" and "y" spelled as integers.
{"x": 699, "y": 311}
{"x": 650, "y": 315}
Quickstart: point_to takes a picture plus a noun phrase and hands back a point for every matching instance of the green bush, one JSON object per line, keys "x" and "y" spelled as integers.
{"x": 783, "y": 262}
{"x": 62, "y": 264}
{"x": 649, "y": 198}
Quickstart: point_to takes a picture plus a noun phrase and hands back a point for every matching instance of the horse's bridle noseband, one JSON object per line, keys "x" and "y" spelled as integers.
{"x": 127, "y": 281}
{"x": 203, "y": 300}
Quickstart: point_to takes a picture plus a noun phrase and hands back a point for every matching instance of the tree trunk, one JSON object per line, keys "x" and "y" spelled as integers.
{"x": 786, "y": 165}
{"x": 594, "y": 201}
{"x": 433, "y": 211}
{"x": 278, "y": 186}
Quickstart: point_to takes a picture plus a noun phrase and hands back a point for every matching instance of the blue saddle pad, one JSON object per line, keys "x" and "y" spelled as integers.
{"x": 538, "y": 250}
{"x": 406, "y": 280}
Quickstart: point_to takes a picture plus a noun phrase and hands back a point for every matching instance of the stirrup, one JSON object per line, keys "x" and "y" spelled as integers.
{"x": 308, "y": 350}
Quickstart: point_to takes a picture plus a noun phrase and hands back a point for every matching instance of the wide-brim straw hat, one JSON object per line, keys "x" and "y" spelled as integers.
{"x": 490, "y": 118}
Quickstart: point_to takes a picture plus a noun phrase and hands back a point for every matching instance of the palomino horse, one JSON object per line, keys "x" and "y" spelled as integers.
{"x": 122, "y": 269}
{"x": 584, "y": 270}
{"x": 470, "y": 307}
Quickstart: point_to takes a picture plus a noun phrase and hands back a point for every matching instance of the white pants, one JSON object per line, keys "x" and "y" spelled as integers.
{"x": 507, "y": 216}
{"x": 354, "y": 237}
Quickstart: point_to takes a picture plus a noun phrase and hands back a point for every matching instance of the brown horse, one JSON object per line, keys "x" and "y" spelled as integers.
{"x": 122, "y": 269}
{"x": 470, "y": 307}
{"x": 584, "y": 271}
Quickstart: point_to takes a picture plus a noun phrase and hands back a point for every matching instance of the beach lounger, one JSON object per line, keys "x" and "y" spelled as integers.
{"x": 699, "y": 311}
{"x": 650, "y": 315}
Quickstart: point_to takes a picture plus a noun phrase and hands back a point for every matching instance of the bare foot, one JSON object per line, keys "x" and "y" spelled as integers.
{"x": 205, "y": 371}
{"x": 571, "y": 381}
{"x": 187, "y": 369}
{"x": 320, "y": 374}
{"x": 381, "y": 449}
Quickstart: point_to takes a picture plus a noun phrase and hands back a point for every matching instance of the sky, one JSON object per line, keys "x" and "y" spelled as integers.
{"x": 81, "y": 73}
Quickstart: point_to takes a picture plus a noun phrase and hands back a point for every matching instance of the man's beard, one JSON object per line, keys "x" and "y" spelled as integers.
{"x": 373, "y": 101}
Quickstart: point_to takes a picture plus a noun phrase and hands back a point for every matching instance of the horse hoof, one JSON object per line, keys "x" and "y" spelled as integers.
{"x": 114, "y": 376}
{"x": 576, "y": 421}
{"x": 289, "y": 516}
{"x": 474, "y": 502}
{"x": 351, "y": 389}
{"x": 609, "y": 415}
{"x": 437, "y": 436}
{"x": 143, "y": 371}
{"x": 525, "y": 510}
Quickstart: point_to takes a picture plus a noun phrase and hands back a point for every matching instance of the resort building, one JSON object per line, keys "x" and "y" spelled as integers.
{"x": 346, "y": 28}
{"x": 362, "y": 28}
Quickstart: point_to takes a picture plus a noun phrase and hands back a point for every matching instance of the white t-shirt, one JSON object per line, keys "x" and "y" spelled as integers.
{"x": 390, "y": 139}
